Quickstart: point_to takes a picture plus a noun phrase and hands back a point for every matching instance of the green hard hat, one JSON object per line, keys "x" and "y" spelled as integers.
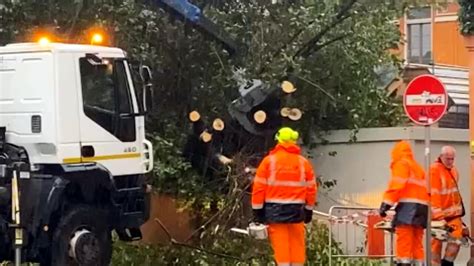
{"x": 286, "y": 134}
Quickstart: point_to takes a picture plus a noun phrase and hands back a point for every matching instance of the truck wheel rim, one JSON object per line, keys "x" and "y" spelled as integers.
{"x": 84, "y": 247}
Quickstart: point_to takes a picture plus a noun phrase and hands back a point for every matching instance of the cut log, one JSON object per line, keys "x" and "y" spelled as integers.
{"x": 218, "y": 124}
{"x": 206, "y": 136}
{"x": 224, "y": 159}
{"x": 285, "y": 111}
{"x": 250, "y": 170}
{"x": 288, "y": 87}
{"x": 194, "y": 116}
{"x": 260, "y": 117}
{"x": 295, "y": 114}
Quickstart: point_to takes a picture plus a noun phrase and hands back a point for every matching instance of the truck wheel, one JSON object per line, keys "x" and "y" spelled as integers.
{"x": 82, "y": 237}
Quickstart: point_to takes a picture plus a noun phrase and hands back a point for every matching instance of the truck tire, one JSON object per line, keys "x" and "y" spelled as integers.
{"x": 82, "y": 237}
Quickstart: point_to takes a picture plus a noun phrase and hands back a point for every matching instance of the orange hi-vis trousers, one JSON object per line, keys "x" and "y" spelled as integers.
{"x": 409, "y": 244}
{"x": 288, "y": 243}
{"x": 452, "y": 249}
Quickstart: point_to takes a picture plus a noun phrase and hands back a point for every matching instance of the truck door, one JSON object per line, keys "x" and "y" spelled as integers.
{"x": 110, "y": 132}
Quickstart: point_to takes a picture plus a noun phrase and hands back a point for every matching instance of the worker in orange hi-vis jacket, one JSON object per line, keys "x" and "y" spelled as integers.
{"x": 447, "y": 205}
{"x": 283, "y": 196}
{"x": 407, "y": 190}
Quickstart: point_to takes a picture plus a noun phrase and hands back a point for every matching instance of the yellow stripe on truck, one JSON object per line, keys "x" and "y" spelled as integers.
{"x": 101, "y": 158}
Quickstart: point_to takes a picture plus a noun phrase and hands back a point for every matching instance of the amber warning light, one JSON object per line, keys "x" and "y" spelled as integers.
{"x": 44, "y": 41}
{"x": 97, "y": 38}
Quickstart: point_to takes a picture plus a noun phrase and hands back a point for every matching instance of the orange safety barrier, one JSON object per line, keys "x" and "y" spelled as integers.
{"x": 375, "y": 237}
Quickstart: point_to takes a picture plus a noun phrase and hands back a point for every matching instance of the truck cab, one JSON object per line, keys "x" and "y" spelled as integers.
{"x": 72, "y": 127}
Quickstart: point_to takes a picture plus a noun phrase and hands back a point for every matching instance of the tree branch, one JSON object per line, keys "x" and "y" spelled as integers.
{"x": 318, "y": 87}
{"x": 79, "y": 6}
{"x": 282, "y": 47}
{"x": 292, "y": 39}
{"x": 321, "y": 46}
{"x": 342, "y": 15}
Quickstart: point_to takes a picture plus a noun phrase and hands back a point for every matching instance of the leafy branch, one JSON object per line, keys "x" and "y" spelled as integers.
{"x": 311, "y": 46}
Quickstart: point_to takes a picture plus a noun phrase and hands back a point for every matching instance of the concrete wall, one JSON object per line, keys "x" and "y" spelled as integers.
{"x": 362, "y": 168}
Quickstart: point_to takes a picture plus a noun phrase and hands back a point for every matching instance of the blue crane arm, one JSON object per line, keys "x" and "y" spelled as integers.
{"x": 192, "y": 14}
{"x": 182, "y": 8}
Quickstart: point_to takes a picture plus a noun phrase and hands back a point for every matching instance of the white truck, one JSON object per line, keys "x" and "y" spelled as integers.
{"x": 72, "y": 130}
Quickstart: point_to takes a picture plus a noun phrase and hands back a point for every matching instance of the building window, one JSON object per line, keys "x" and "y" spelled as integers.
{"x": 419, "y": 35}
{"x": 419, "y": 13}
{"x": 460, "y": 109}
{"x": 456, "y": 117}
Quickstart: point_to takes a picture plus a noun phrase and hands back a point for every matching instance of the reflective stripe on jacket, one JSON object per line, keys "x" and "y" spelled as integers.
{"x": 407, "y": 188}
{"x": 445, "y": 197}
{"x": 284, "y": 185}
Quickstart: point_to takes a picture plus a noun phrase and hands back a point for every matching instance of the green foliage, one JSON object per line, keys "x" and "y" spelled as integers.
{"x": 173, "y": 175}
{"x": 334, "y": 72}
{"x": 125, "y": 254}
{"x": 170, "y": 167}
{"x": 250, "y": 251}
{"x": 466, "y": 17}
{"x": 318, "y": 249}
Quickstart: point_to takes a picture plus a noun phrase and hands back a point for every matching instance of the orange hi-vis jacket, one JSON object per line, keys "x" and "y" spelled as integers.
{"x": 446, "y": 201}
{"x": 407, "y": 188}
{"x": 284, "y": 185}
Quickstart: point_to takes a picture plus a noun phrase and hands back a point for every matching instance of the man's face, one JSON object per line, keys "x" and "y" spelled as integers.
{"x": 448, "y": 159}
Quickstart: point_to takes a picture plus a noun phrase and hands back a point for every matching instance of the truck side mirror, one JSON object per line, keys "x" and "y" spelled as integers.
{"x": 145, "y": 74}
{"x": 147, "y": 98}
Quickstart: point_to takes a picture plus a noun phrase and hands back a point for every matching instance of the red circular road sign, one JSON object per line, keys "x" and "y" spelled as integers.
{"x": 425, "y": 100}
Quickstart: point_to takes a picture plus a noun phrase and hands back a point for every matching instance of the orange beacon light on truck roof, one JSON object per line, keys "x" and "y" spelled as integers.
{"x": 44, "y": 40}
{"x": 97, "y": 38}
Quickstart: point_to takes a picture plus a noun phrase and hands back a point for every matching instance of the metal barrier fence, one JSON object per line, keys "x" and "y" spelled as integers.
{"x": 348, "y": 227}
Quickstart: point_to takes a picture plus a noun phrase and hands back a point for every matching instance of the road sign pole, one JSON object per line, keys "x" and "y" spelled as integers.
{"x": 428, "y": 186}
{"x": 425, "y": 101}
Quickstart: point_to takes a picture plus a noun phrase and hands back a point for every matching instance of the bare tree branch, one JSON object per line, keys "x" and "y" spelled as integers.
{"x": 342, "y": 15}
{"x": 318, "y": 87}
{"x": 285, "y": 45}
{"x": 335, "y": 39}
{"x": 78, "y": 8}
{"x": 292, "y": 39}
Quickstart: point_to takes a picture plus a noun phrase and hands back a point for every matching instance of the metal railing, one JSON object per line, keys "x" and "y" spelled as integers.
{"x": 348, "y": 227}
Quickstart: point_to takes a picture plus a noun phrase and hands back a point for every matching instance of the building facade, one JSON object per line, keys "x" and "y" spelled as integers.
{"x": 432, "y": 43}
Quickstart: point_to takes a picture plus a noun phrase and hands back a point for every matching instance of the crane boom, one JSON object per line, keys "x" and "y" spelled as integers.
{"x": 192, "y": 14}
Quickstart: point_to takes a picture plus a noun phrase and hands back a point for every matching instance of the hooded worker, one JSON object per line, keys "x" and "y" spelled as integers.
{"x": 407, "y": 191}
{"x": 283, "y": 196}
